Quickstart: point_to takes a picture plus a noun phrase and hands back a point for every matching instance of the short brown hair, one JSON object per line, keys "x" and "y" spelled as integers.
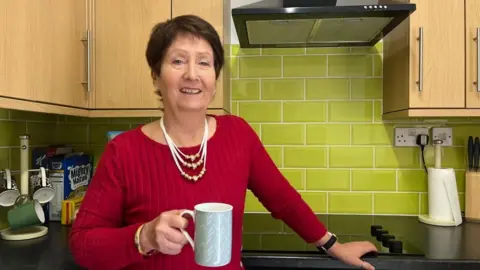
{"x": 164, "y": 33}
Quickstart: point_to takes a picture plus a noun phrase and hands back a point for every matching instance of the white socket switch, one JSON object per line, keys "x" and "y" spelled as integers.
{"x": 444, "y": 134}
{"x": 408, "y": 136}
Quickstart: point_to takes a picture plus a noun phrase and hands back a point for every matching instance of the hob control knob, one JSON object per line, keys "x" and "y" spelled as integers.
{"x": 374, "y": 229}
{"x": 380, "y": 234}
{"x": 386, "y": 239}
{"x": 395, "y": 246}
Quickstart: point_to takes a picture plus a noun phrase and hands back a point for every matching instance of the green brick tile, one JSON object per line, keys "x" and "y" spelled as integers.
{"x": 424, "y": 203}
{"x": 367, "y": 88}
{"x": 327, "y": 88}
{"x": 374, "y": 180}
{"x": 86, "y": 120}
{"x": 283, "y": 134}
{"x": 234, "y": 108}
{"x": 306, "y": 111}
{"x": 372, "y": 134}
{"x": 3, "y": 218}
{"x": 5, "y": 157}
{"x": 262, "y": 66}
{"x": 305, "y": 157}
{"x": 282, "y": 89}
{"x": 10, "y": 130}
{"x": 350, "y": 65}
{"x": 328, "y": 50}
{"x": 461, "y": 198}
{"x": 412, "y": 180}
{"x": 452, "y": 157}
{"x": 283, "y": 241}
{"x": 71, "y": 134}
{"x": 460, "y": 177}
{"x": 305, "y": 66}
{"x": 377, "y": 65}
{"x": 237, "y": 51}
{"x": 351, "y": 157}
{"x": 41, "y": 133}
{"x": 131, "y": 120}
{"x": 328, "y": 180}
{"x": 246, "y": 89}
{"x": 391, "y": 157}
{"x": 377, "y": 113}
{"x": 328, "y": 134}
{"x": 98, "y": 132}
{"x": 282, "y": 51}
{"x": 260, "y": 111}
{"x": 261, "y": 223}
{"x": 350, "y": 111}
{"x": 316, "y": 200}
{"x": 4, "y": 113}
{"x": 461, "y": 132}
{"x": 295, "y": 177}
{"x": 32, "y": 116}
{"x": 396, "y": 203}
{"x": 275, "y": 154}
{"x": 349, "y": 202}
{"x": 343, "y": 224}
{"x": 252, "y": 204}
{"x": 251, "y": 241}
{"x": 233, "y": 67}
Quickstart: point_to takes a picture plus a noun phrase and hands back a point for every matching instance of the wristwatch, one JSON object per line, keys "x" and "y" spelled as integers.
{"x": 325, "y": 247}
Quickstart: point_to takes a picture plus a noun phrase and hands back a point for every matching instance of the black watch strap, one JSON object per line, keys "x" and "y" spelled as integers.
{"x": 329, "y": 243}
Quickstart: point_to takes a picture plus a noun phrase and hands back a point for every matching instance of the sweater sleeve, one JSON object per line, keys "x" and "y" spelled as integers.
{"x": 98, "y": 239}
{"x": 278, "y": 196}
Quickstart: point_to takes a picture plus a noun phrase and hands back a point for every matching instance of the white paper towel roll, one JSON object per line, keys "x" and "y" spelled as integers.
{"x": 443, "y": 202}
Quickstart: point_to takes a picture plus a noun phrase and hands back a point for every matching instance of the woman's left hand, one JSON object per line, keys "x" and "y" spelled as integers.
{"x": 351, "y": 252}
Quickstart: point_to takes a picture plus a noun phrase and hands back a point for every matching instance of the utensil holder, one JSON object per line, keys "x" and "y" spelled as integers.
{"x": 472, "y": 196}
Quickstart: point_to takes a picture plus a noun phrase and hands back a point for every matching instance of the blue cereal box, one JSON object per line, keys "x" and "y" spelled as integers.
{"x": 70, "y": 175}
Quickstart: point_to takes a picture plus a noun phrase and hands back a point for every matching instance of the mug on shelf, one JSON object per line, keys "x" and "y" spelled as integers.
{"x": 213, "y": 233}
{"x": 8, "y": 190}
{"x": 43, "y": 191}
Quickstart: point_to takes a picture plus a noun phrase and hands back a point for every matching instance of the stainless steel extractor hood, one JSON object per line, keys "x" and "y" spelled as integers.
{"x": 317, "y": 23}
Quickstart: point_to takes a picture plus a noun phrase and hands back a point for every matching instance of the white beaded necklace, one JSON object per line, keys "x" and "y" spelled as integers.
{"x": 177, "y": 154}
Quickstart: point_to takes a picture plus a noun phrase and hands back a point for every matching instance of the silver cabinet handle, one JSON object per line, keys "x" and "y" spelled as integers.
{"x": 420, "y": 60}
{"x": 88, "y": 40}
{"x": 478, "y": 58}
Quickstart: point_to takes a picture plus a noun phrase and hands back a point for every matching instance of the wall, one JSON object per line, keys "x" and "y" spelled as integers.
{"x": 318, "y": 112}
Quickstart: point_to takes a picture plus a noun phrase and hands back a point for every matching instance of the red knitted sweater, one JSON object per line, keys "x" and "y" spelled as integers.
{"x": 137, "y": 179}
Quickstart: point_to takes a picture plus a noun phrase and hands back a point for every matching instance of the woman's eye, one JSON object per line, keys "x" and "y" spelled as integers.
{"x": 205, "y": 63}
{"x": 177, "y": 61}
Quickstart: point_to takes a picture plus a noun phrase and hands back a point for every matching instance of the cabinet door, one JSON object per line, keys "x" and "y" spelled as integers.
{"x": 439, "y": 67}
{"x": 213, "y": 12}
{"x": 121, "y": 75}
{"x": 472, "y": 32}
{"x": 43, "y": 55}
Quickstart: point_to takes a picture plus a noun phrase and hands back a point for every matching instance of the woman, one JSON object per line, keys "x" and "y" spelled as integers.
{"x": 129, "y": 218}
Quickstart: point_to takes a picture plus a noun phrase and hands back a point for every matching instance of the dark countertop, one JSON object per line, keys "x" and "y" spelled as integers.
{"x": 269, "y": 244}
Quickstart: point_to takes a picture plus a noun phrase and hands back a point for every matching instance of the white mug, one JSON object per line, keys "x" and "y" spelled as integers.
{"x": 213, "y": 233}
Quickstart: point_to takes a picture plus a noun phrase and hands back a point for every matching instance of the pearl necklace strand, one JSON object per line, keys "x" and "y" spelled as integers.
{"x": 178, "y": 156}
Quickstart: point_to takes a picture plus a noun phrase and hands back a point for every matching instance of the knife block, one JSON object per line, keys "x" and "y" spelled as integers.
{"x": 472, "y": 196}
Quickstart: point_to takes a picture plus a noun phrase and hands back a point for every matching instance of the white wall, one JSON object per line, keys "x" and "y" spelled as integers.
{"x": 234, "y": 4}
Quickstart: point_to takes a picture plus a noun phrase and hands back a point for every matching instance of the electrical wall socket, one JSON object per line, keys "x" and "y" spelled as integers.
{"x": 444, "y": 134}
{"x": 408, "y": 136}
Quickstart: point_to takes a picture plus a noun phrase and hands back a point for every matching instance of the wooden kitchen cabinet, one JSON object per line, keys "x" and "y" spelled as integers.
{"x": 472, "y": 32}
{"x": 42, "y": 57}
{"x": 424, "y": 62}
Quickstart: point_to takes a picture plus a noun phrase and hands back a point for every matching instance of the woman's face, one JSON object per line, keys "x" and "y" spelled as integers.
{"x": 187, "y": 75}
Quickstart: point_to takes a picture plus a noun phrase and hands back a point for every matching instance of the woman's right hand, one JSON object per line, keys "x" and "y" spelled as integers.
{"x": 163, "y": 234}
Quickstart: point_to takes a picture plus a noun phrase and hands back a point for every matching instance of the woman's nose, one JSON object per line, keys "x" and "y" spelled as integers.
{"x": 191, "y": 72}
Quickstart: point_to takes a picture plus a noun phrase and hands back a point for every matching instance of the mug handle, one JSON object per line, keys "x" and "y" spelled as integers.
{"x": 9, "y": 178}
{"x": 43, "y": 176}
{"x": 192, "y": 214}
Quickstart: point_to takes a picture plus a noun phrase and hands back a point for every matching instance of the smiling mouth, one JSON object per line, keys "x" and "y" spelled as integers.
{"x": 190, "y": 91}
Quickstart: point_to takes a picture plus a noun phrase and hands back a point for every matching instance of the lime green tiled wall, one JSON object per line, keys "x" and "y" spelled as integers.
{"x": 88, "y": 135}
{"x": 318, "y": 113}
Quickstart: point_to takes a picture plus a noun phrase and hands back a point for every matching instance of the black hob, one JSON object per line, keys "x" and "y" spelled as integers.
{"x": 392, "y": 235}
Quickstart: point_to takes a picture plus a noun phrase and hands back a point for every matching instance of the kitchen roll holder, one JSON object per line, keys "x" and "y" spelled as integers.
{"x": 443, "y": 201}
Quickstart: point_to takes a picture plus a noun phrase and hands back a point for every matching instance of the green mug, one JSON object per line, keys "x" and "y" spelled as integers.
{"x": 25, "y": 213}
